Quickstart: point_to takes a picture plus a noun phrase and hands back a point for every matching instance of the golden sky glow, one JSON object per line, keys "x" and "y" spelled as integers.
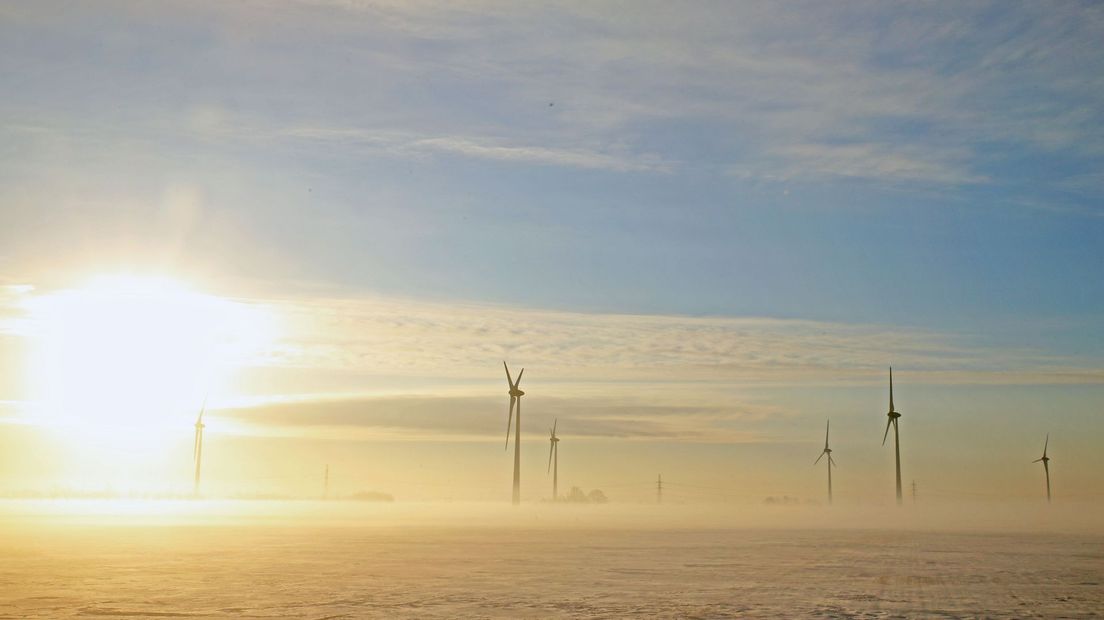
{"x": 394, "y": 393}
{"x": 702, "y": 231}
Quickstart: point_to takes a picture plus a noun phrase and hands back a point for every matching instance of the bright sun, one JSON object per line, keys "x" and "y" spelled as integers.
{"x": 134, "y": 355}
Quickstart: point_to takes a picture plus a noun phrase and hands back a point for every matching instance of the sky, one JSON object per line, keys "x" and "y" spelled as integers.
{"x": 703, "y": 229}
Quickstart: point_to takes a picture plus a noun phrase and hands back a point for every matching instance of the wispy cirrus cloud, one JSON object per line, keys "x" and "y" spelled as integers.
{"x": 402, "y": 337}
{"x": 921, "y": 94}
{"x": 384, "y": 368}
{"x": 447, "y": 417}
{"x": 394, "y": 369}
{"x": 863, "y": 161}
{"x": 11, "y": 308}
{"x": 925, "y": 94}
{"x": 480, "y": 147}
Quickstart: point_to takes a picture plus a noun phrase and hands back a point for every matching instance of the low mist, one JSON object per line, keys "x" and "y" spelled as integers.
{"x": 979, "y": 517}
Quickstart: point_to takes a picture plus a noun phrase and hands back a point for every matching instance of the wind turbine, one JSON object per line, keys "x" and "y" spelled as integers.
{"x": 893, "y": 416}
{"x": 831, "y": 461}
{"x": 1046, "y": 464}
{"x": 197, "y": 447}
{"x": 515, "y": 399}
{"x": 554, "y": 458}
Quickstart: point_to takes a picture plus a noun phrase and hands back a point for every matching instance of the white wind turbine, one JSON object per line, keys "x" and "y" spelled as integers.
{"x": 515, "y": 399}
{"x": 831, "y": 461}
{"x": 554, "y": 459}
{"x": 893, "y": 417}
{"x": 1046, "y": 464}
{"x": 197, "y": 447}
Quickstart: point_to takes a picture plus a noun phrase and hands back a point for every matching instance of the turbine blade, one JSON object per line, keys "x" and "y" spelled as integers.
{"x": 519, "y": 377}
{"x": 831, "y": 461}
{"x": 509, "y": 422}
{"x": 826, "y": 434}
{"x": 820, "y": 457}
{"x": 555, "y": 421}
{"x": 508, "y": 378}
{"x": 202, "y": 409}
{"x": 551, "y": 446}
{"x": 888, "y": 422}
{"x": 891, "y": 388}
{"x": 1046, "y": 443}
{"x": 1036, "y": 460}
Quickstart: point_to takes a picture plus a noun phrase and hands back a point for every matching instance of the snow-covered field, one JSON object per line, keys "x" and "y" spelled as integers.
{"x": 529, "y": 565}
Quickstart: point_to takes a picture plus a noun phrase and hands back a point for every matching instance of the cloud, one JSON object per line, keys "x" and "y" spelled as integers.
{"x": 480, "y": 147}
{"x": 482, "y": 418}
{"x": 384, "y": 368}
{"x": 414, "y": 338}
{"x": 925, "y": 94}
{"x": 867, "y": 161}
{"x": 403, "y": 369}
{"x": 921, "y": 93}
{"x": 12, "y": 311}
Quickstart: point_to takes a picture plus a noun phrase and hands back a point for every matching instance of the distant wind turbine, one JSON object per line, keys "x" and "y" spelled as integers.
{"x": 893, "y": 417}
{"x": 515, "y": 399}
{"x": 1046, "y": 464}
{"x": 831, "y": 461}
{"x": 554, "y": 459}
{"x": 197, "y": 447}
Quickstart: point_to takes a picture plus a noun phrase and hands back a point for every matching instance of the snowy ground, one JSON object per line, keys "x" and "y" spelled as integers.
{"x": 65, "y": 568}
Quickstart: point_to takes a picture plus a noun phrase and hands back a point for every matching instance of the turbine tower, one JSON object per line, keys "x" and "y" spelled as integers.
{"x": 1046, "y": 464}
{"x": 831, "y": 461}
{"x": 515, "y": 399}
{"x": 197, "y": 447}
{"x": 554, "y": 459}
{"x": 893, "y": 417}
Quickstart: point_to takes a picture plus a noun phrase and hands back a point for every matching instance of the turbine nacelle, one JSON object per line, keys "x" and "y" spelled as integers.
{"x": 826, "y": 449}
{"x": 515, "y": 392}
{"x": 826, "y": 452}
{"x": 553, "y": 444}
{"x": 515, "y": 400}
{"x": 893, "y": 414}
{"x": 890, "y": 423}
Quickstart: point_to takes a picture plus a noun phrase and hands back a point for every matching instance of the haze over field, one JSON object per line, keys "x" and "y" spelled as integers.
{"x": 326, "y": 559}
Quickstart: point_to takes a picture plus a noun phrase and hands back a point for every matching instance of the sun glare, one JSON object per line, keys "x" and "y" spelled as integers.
{"x": 131, "y": 356}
